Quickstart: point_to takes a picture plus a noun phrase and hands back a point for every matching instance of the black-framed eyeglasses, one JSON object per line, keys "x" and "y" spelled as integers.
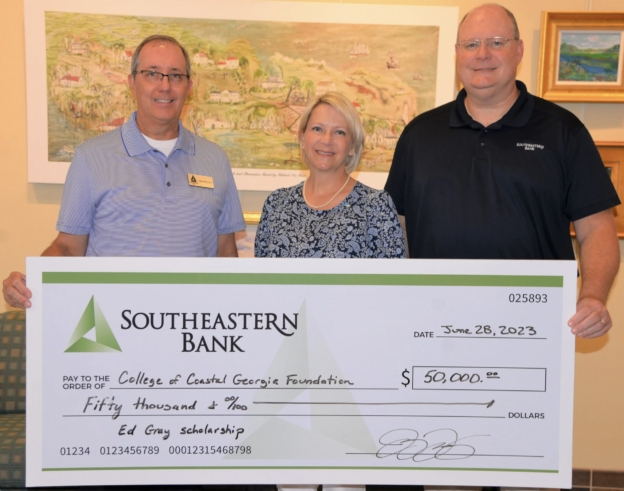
{"x": 154, "y": 77}
{"x": 494, "y": 43}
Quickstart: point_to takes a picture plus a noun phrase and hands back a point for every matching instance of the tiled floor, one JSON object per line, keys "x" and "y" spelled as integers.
{"x": 582, "y": 480}
{"x": 587, "y": 480}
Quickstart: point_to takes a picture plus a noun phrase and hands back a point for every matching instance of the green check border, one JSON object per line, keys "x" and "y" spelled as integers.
{"x": 71, "y": 469}
{"x": 301, "y": 279}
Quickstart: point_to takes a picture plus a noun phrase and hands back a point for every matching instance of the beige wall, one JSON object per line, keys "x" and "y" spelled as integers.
{"x": 30, "y": 211}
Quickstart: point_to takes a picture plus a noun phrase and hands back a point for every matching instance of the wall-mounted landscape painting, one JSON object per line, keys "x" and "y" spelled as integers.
{"x": 590, "y": 56}
{"x": 255, "y": 66}
{"x": 582, "y": 57}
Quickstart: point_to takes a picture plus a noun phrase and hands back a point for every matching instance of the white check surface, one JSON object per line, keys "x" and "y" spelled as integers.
{"x": 300, "y": 371}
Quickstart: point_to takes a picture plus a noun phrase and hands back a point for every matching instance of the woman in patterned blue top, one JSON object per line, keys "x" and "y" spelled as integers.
{"x": 330, "y": 214}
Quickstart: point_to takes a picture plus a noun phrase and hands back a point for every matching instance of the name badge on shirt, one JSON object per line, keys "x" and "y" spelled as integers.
{"x": 200, "y": 181}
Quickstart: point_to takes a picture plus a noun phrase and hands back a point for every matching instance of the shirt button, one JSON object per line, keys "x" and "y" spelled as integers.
{"x": 168, "y": 184}
{"x": 482, "y": 145}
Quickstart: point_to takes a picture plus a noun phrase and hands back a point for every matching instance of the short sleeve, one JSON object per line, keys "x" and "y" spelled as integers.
{"x": 589, "y": 189}
{"x": 263, "y": 232}
{"x": 77, "y": 207}
{"x": 385, "y": 233}
{"x": 395, "y": 185}
{"x": 231, "y": 218}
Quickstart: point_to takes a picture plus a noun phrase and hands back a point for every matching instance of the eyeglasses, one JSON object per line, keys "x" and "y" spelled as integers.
{"x": 495, "y": 43}
{"x": 154, "y": 77}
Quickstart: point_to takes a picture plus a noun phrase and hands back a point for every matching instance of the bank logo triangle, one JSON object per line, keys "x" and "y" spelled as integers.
{"x": 93, "y": 318}
{"x": 193, "y": 179}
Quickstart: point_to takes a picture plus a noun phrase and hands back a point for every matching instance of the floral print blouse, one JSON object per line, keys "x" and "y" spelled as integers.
{"x": 364, "y": 225}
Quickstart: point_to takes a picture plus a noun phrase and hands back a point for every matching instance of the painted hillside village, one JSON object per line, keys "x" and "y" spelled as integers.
{"x": 250, "y": 88}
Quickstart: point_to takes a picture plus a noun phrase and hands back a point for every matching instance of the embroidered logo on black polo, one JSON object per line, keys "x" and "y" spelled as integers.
{"x": 530, "y": 146}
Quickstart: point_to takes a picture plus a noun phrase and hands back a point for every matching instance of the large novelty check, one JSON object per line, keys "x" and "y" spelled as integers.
{"x": 173, "y": 371}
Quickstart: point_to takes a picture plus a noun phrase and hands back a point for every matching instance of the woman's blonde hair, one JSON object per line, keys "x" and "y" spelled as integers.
{"x": 354, "y": 124}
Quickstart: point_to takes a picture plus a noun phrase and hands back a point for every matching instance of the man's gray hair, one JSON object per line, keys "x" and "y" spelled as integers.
{"x": 159, "y": 37}
{"x": 516, "y": 31}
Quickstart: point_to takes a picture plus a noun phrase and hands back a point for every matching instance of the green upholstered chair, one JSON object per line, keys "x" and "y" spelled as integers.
{"x": 13, "y": 415}
{"x": 12, "y": 399}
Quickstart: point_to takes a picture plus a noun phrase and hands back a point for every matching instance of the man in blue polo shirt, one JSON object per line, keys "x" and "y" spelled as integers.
{"x": 149, "y": 188}
{"x": 500, "y": 174}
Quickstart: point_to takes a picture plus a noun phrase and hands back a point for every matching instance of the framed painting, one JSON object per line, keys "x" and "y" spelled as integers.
{"x": 581, "y": 57}
{"x": 245, "y": 240}
{"x": 612, "y": 154}
{"x": 252, "y": 217}
{"x": 255, "y": 65}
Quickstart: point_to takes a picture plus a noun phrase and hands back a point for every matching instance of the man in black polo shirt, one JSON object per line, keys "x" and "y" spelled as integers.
{"x": 500, "y": 174}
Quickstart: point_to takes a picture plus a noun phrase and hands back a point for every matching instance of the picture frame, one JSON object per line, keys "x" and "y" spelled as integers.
{"x": 612, "y": 154}
{"x": 581, "y": 57}
{"x": 245, "y": 240}
{"x": 252, "y": 217}
{"x": 254, "y": 65}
